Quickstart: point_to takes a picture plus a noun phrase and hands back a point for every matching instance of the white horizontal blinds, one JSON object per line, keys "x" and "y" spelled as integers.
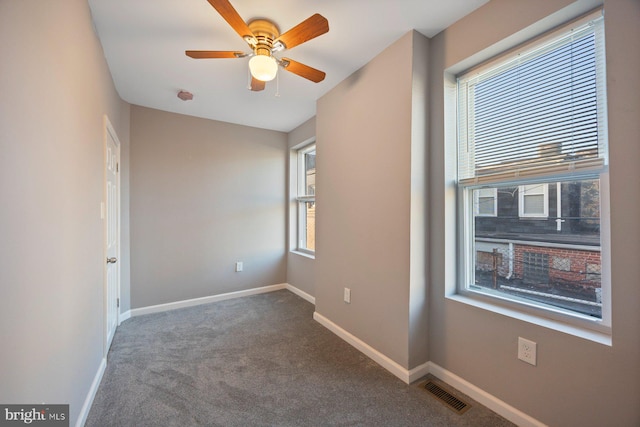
{"x": 538, "y": 113}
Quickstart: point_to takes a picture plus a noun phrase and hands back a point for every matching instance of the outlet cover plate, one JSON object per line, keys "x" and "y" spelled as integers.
{"x": 527, "y": 351}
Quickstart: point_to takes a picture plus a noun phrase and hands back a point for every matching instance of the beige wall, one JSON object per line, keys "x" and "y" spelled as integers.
{"x": 301, "y": 271}
{"x": 419, "y": 209}
{"x": 204, "y": 194}
{"x": 55, "y": 88}
{"x": 363, "y": 140}
{"x": 365, "y": 201}
{"x": 577, "y": 382}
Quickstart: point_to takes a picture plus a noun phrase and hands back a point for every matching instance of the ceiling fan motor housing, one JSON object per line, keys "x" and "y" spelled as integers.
{"x": 266, "y": 32}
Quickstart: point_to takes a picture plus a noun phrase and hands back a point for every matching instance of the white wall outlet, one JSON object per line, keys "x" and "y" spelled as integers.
{"x": 527, "y": 351}
{"x": 347, "y": 295}
{"x": 239, "y": 266}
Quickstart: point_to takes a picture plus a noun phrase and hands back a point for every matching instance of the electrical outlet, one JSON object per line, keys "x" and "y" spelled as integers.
{"x": 239, "y": 266}
{"x": 527, "y": 351}
{"x": 347, "y": 295}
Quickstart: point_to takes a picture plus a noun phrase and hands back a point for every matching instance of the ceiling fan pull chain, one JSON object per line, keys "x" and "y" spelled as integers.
{"x": 248, "y": 78}
{"x": 277, "y": 85}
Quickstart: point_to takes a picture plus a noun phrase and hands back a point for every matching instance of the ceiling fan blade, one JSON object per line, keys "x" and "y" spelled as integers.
{"x": 203, "y": 54}
{"x": 302, "y": 70}
{"x": 232, "y": 17}
{"x": 257, "y": 85}
{"x": 308, "y": 29}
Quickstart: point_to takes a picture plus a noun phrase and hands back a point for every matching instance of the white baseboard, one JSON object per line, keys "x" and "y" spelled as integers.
{"x": 301, "y": 294}
{"x": 88, "y": 401}
{"x": 365, "y": 348}
{"x": 205, "y": 300}
{"x": 418, "y": 372}
{"x": 124, "y": 316}
{"x": 86, "y": 407}
{"x": 496, "y": 405}
{"x": 408, "y": 376}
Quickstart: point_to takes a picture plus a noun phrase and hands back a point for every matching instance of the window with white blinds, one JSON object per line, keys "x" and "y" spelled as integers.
{"x": 540, "y": 111}
{"x": 532, "y": 178}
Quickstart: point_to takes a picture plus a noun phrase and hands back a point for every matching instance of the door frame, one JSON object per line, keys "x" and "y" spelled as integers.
{"x": 109, "y": 131}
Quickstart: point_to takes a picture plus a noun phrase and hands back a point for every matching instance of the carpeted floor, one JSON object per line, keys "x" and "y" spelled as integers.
{"x": 255, "y": 361}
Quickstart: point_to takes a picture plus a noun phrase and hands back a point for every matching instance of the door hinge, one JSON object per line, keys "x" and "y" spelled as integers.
{"x": 117, "y": 167}
{"x": 118, "y": 302}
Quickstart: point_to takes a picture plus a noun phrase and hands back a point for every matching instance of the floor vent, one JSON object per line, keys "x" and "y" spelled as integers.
{"x": 447, "y": 398}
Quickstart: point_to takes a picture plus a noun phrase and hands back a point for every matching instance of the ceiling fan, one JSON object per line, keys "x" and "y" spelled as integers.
{"x": 264, "y": 39}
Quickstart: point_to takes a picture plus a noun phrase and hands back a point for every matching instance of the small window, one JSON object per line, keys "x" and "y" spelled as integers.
{"x": 306, "y": 198}
{"x": 533, "y": 201}
{"x": 486, "y": 202}
{"x": 532, "y": 177}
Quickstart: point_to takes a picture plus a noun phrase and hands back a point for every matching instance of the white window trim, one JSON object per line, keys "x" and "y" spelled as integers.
{"x": 597, "y": 330}
{"x": 302, "y": 198}
{"x": 523, "y": 192}
{"x": 301, "y": 240}
{"x": 302, "y": 191}
{"x": 456, "y": 269}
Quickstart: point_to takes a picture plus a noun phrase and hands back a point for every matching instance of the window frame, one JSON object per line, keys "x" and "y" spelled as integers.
{"x": 522, "y": 194}
{"x": 303, "y": 198}
{"x": 524, "y": 309}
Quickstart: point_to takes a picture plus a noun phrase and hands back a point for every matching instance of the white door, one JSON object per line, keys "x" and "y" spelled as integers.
{"x": 112, "y": 233}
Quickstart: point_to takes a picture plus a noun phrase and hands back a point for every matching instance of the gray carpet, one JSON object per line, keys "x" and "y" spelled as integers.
{"x": 255, "y": 361}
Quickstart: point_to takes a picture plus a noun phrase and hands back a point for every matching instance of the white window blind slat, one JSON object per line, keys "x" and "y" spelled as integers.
{"x": 537, "y": 113}
{"x": 552, "y": 170}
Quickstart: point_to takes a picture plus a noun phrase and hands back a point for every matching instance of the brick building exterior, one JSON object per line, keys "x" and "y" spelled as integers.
{"x": 555, "y": 251}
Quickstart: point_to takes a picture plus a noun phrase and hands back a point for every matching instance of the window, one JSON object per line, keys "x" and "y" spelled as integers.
{"x": 533, "y": 200}
{"x": 306, "y": 198}
{"x": 532, "y": 144}
{"x": 486, "y": 202}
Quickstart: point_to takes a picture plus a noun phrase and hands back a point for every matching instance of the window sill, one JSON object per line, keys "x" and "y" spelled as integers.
{"x": 304, "y": 254}
{"x": 581, "y": 332}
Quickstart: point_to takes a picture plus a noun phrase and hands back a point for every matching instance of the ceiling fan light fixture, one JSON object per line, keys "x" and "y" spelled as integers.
{"x": 263, "y": 67}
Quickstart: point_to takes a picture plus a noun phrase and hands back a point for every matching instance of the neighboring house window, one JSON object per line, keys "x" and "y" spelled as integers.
{"x": 529, "y": 121}
{"x": 533, "y": 201}
{"x": 486, "y": 202}
{"x": 306, "y": 198}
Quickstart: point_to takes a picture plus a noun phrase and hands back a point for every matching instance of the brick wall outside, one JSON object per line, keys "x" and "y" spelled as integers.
{"x": 566, "y": 266}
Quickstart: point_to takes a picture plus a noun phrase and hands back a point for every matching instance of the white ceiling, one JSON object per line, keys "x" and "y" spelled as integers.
{"x": 144, "y": 43}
